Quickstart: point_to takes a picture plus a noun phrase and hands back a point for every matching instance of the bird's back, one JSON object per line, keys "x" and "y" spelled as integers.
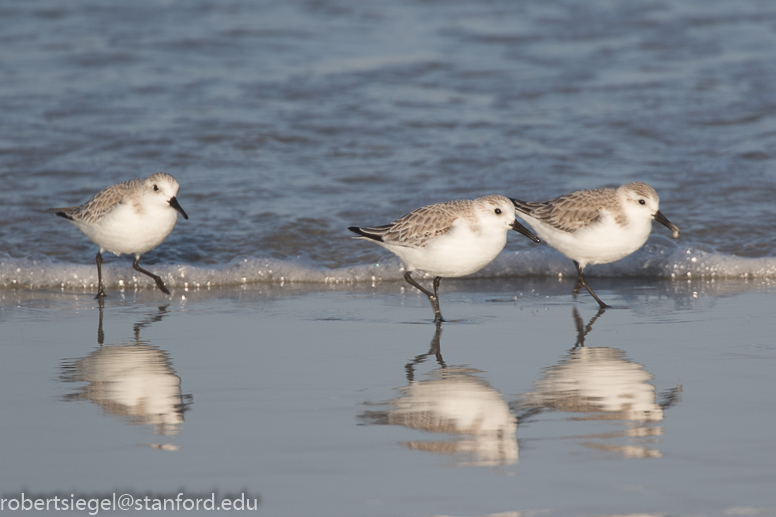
{"x": 100, "y": 204}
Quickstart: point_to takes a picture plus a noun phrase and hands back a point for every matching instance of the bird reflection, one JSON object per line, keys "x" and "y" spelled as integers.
{"x": 600, "y": 383}
{"x": 134, "y": 381}
{"x": 458, "y": 402}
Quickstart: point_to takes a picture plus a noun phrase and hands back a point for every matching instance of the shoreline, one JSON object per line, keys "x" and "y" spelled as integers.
{"x": 655, "y": 261}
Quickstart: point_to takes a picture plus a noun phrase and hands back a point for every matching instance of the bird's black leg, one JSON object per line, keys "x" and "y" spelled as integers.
{"x": 100, "y": 290}
{"x": 158, "y": 279}
{"x": 435, "y": 301}
{"x": 432, "y": 297}
{"x": 581, "y": 281}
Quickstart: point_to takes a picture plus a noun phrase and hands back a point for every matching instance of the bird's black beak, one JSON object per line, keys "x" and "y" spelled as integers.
{"x": 525, "y": 231}
{"x": 174, "y": 203}
{"x": 659, "y": 217}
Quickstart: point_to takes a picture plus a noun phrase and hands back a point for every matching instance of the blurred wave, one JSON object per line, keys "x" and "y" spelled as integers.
{"x": 653, "y": 262}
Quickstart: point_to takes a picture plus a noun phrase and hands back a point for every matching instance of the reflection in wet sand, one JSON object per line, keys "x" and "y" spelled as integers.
{"x": 600, "y": 383}
{"x": 134, "y": 381}
{"x": 458, "y": 402}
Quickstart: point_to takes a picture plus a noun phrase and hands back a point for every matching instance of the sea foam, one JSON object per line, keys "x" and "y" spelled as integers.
{"x": 652, "y": 261}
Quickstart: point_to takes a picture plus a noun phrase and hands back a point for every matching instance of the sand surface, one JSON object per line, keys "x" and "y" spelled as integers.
{"x": 347, "y": 402}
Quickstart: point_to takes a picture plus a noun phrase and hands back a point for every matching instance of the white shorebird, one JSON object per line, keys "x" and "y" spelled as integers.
{"x": 449, "y": 239}
{"x": 596, "y": 226}
{"x": 131, "y": 217}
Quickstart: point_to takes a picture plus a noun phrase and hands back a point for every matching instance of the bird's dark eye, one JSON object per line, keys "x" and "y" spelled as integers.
{"x": 642, "y": 202}
{"x": 498, "y": 210}
{"x": 156, "y": 189}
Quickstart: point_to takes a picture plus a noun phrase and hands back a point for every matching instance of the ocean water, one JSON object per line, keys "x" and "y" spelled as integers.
{"x": 287, "y": 121}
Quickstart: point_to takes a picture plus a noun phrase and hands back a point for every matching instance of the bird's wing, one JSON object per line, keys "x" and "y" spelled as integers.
{"x": 568, "y": 212}
{"x": 416, "y": 228}
{"x": 100, "y": 204}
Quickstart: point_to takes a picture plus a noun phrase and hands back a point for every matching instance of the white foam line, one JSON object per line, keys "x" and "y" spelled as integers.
{"x": 654, "y": 261}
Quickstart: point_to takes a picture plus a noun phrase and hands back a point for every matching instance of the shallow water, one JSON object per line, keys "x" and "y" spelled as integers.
{"x": 326, "y": 402}
{"x": 286, "y": 122}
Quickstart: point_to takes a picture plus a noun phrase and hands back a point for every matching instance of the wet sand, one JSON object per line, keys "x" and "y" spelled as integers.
{"x": 348, "y": 402}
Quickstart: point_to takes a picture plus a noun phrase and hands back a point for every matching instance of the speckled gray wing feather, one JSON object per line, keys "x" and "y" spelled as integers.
{"x": 416, "y": 228}
{"x": 571, "y": 211}
{"x": 100, "y": 204}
